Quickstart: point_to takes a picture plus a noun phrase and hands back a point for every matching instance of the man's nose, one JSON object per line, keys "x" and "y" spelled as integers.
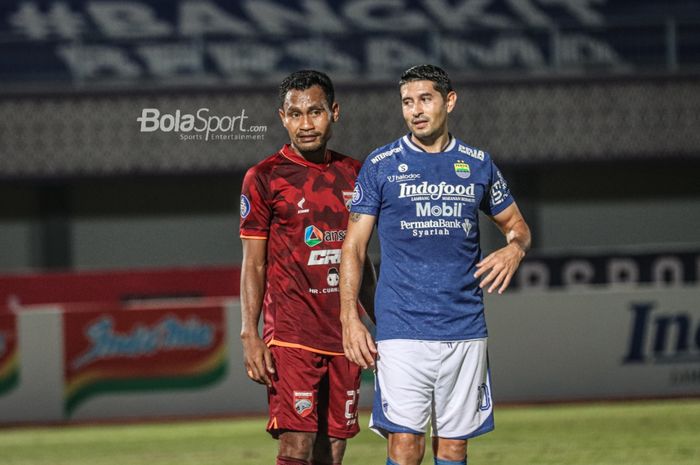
{"x": 307, "y": 122}
{"x": 417, "y": 109}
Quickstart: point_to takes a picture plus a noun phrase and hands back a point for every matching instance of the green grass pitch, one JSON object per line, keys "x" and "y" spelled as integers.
{"x": 639, "y": 433}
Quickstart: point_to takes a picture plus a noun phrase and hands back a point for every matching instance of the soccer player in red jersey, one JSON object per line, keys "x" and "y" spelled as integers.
{"x": 294, "y": 213}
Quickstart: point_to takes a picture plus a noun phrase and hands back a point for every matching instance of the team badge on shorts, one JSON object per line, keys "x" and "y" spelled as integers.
{"x": 347, "y": 198}
{"x": 462, "y": 169}
{"x": 303, "y": 402}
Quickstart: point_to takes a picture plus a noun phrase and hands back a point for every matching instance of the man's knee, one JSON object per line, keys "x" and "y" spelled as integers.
{"x": 328, "y": 451}
{"x": 296, "y": 445}
{"x": 450, "y": 449}
{"x": 406, "y": 447}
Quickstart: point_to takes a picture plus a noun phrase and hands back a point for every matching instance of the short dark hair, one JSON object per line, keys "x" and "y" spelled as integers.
{"x": 305, "y": 79}
{"x": 438, "y": 76}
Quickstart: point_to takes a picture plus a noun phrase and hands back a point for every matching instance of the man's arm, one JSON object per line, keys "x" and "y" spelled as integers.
{"x": 257, "y": 356}
{"x": 357, "y": 341}
{"x": 499, "y": 267}
{"x": 368, "y": 288}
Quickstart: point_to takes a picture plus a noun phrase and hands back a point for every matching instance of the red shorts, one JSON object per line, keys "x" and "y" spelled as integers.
{"x": 313, "y": 393}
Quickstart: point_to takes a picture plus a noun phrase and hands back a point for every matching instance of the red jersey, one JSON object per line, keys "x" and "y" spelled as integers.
{"x": 301, "y": 208}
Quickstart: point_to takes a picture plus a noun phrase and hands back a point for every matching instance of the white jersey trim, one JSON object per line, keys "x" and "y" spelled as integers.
{"x": 450, "y": 146}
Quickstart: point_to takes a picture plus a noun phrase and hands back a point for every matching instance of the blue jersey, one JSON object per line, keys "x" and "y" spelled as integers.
{"x": 427, "y": 208}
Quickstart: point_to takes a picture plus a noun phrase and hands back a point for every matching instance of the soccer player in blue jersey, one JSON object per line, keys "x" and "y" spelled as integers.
{"x": 424, "y": 192}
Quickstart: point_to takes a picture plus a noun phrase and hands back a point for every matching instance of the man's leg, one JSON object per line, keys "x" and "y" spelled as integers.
{"x": 293, "y": 400}
{"x": 449, "y": 451}
{"x": 405, "y": 379}
{"x": 406, "y": 448}
{"x": 328, "y": 451}
{"x": 295, "y": 448}
{"x": 462, "y": 402}
{"x": 338, "y": 395}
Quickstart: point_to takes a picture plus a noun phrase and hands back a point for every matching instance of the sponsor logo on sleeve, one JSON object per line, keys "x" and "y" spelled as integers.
{"x": 478, "y": 154}
{"x": 357, "y": 194}
{"x": 499, "y": 190}
{"x": 245, "y": 206}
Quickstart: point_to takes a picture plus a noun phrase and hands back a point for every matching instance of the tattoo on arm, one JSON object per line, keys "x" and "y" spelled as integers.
{"x": 354, "y": 217}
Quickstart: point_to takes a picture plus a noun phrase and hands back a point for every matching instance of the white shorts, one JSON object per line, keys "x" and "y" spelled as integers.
{"x": 446, "y": 381}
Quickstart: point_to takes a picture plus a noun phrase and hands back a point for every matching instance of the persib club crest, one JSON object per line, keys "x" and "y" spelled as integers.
{"x": 462, "y": 169}
{"x": 357, "y": 194}
{"x": 303, "y": 402}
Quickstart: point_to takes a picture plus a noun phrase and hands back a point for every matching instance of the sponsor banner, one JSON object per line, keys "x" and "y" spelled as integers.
{"x": 118, "y": 287}
{"x": 9, "y": 357}
{"x": 633, "y": 269}
{"x": 564, "y": 345}
{"x": 248, "y": 41}
{"x": 142, "y": 350}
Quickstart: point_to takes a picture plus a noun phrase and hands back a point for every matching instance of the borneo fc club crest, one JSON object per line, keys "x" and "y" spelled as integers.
{"x": 347, "y": 198}
{"x": 303, "y": 402}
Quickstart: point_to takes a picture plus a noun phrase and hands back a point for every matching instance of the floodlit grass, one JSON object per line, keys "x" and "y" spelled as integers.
{"x": 639, "y": 433}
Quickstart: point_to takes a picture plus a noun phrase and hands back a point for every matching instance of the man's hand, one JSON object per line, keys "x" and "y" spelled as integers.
{"x": 499, "y": 267}
{"x": 258, "y": 359}
{"x": 358, "y": 345}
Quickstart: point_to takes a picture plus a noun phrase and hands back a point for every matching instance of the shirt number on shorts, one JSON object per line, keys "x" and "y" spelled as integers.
{"x": 350, "y": 407}
{"x": 484, "y": 397}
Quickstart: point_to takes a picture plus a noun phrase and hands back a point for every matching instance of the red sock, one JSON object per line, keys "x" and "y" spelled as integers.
{"x": 290, "y": 461}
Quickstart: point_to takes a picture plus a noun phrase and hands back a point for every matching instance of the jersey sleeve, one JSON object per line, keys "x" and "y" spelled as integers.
{"x": 498, "y": 197}
{"x": 256, "y": 211}
{"x": 366, "y": 197}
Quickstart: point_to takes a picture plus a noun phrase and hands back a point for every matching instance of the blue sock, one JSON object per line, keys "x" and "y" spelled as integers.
{"x": 449, "y": 462}
{"x": 390, "y": 462}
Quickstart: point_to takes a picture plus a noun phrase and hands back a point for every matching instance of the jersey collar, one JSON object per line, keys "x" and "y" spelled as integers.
{"x": 288, "y": 152}
{"x": 408, "y": 143}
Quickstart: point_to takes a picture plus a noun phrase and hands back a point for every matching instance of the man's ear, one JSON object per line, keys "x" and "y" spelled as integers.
{"x": 335, "y": 112}
{"x": 280, "y": 112}
{"x": 451, "y": 101}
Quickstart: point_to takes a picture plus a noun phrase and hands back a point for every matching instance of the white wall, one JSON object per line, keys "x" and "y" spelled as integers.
{"x": 614, "y": 224}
